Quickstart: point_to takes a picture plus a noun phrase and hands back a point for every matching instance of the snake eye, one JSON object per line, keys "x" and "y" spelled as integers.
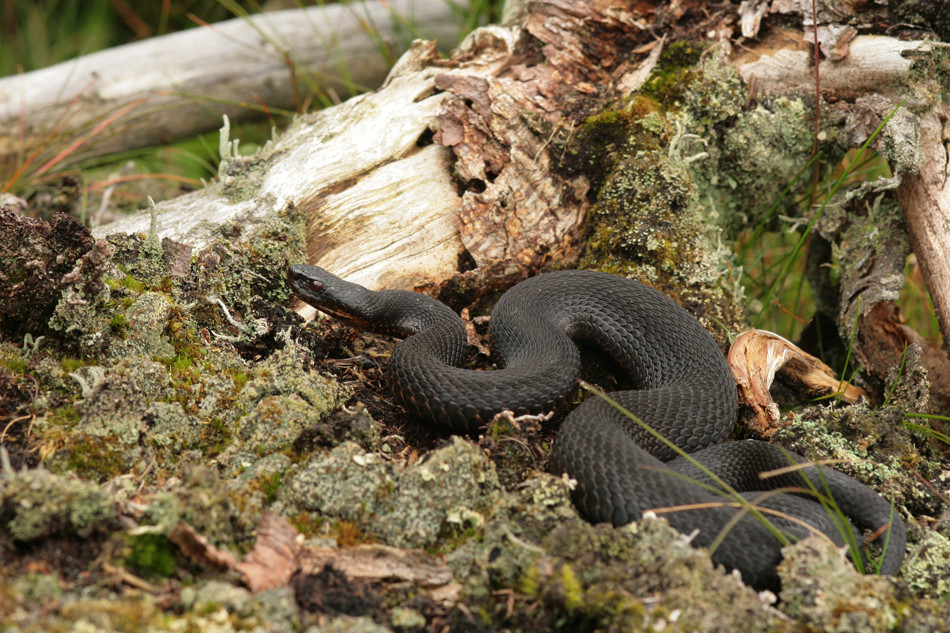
{"x": 316, "y": 285}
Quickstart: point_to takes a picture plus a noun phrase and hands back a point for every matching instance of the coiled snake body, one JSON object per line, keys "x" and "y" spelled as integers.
{"x": 683, "y": 390}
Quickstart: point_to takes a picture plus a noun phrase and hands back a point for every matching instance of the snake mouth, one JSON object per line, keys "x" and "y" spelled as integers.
{"x": 343, "y": 317}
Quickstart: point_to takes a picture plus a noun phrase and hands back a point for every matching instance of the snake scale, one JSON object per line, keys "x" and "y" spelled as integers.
{"x": 683, "y": 389}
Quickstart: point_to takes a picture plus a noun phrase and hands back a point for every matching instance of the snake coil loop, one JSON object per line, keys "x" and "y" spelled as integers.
{"x": 684, "y": 390}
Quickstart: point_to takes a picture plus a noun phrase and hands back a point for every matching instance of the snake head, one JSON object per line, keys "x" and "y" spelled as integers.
{"x": 344, "y": 300}
{"x": 394, "y": 312}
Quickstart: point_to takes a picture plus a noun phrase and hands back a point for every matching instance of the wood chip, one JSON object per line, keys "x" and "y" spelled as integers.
{"x": 755, "y": 358}
{"x": 377, "y": 562}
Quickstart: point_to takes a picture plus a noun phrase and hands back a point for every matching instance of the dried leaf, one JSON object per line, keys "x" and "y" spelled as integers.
{"x": 274, "y": 558}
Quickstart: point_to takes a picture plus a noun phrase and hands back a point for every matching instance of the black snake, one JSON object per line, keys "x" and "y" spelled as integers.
{"x": 683, "y": 389}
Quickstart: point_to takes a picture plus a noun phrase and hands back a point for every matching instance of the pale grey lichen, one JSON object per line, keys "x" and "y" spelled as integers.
{"x": 449, "y": 492}
{"x": 822, "y": 589}
{"x": 347, "y": 483}
{"x": 349, "y": 624}
{"x": 144, "y": 337}
{"x": 37, "y": 503}
{"x": 926, "y": 569}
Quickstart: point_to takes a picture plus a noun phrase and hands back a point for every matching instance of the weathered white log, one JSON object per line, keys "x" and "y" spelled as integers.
{"x": 925, "y": 199}
{"x": 873, "y": 63}
{"x": 183, "y": 82}
{"x": 383, "y": 210}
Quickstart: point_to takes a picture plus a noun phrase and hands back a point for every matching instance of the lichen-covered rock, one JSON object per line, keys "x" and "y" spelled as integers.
{"x": 287, "y": 371}
{"x": 926, "y": 568}
{"x": 642, "y": 577}
{"x": 330, "y": 483}
{"x": 354, "y": 424}
{"x": 170, "y": 428}
{"x": 37, "y": 503}
{"x": 585, "y": 577}
{"x": 274, "y": 423}
{"x": 107, "y": 438}
{"x": 871, "y": 445}
{"x": 118, "y": 396}
{"x": 143, "y": 332}
{"x": 273, "y": 610}
{"x": 282, "y": 397}
{"x": 822, "y": 589}
{"x": 223, "y": 514}
{"x": 454, "y": 488}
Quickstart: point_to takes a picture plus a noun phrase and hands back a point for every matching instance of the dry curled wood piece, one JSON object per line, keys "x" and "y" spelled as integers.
{"x": 376, "y": 562}
{"x": 755, "y": 358}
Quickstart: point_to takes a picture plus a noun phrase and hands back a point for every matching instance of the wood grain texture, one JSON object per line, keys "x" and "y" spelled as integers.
{"x": 184, "y": 82}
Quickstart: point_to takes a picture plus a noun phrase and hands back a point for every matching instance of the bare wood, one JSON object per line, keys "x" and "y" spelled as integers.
{"x": 757, "y": 356}
{"x": 383, "y": 211}
{"x": 873, "y": 63}
{"x": 377, "y": 561}
{"x": 925, "y": 200}
{"x": 185, "y": 81}
{"x": 872, "y": 72}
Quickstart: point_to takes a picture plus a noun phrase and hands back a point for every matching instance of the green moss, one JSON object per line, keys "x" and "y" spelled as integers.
{"x": 595, "y": 146}
{"x": 181, "y": 363}
{"x": 92, "y": 457}
{"x": 131, "y": 283}
{"x": 307, "y": 524}
{"x": 14, "y": 364}
{"x": 674, "y": 73}
{"x": 240, "y": 379}
{"x": 270, "y": 486}
{"x": 546, "y": 580}
{"x": 215, "y": 436}
{"x": 71, "y": 363}
{"x": 65, "y": 416}
{"x": 119, "y": 325}
{"x": 152, "y": 555}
